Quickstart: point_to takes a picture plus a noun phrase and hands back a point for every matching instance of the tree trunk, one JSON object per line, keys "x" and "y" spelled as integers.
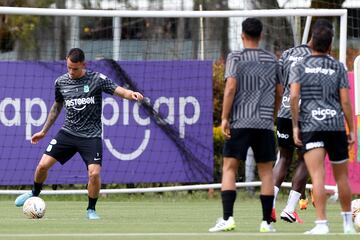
{"x": 60, "y": 33}
{"x": 216, "y": 38}
{"x": 277, "y": 31}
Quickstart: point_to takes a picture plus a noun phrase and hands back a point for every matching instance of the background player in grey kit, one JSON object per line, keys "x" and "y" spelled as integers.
{"x": 318, "y": 124}
{"x": 79, "y": 91}
{"x": 287, "y": 147}
{"x": 251, "y": 98}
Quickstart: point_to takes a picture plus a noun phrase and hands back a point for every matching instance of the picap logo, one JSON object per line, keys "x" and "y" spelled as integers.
{"x": 181, "y": 112}
{"x": 320, "y": 114}
{"x": 286, "y": 102}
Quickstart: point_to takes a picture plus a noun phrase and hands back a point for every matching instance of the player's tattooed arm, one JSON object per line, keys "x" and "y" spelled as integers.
{"x": 128, "y": 94}
{"x": 52, "y": 116}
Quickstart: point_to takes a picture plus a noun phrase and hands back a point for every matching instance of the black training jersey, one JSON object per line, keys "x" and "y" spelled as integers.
{"x": 82, "y": 99}
{"x": 257, "y": 73}
{"x": 286, "y": 62}
{"x": 320, "y": 79}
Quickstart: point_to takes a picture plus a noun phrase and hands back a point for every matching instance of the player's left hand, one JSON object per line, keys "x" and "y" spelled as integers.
{"x": 137, "y": 96}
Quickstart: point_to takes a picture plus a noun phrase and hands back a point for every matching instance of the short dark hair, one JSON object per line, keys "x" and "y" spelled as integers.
{"x": 252, "y": 27}
{"x": 322, "y": 39}
{"x": 76, "y": 55}
{"x": 320, "y": 23}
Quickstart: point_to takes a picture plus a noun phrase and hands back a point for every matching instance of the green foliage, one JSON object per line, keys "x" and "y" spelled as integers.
{"x": 218, "y": 139}
{"x": 6, "y": 40}
{"x": 23, "y": 27}
{"x": 218, "y": 90}
{"x": 218, "y": 145}
{"x": 218, "y": 94}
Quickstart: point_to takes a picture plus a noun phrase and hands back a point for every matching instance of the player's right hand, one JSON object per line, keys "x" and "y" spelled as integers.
{"x": 351, "y": 138}
{"x": 296, "y": 136}
{"x": 225, "y": 128}
{"x": 37, "y": 137}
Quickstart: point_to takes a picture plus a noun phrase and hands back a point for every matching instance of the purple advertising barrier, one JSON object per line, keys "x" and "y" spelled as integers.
{"x": 166, "y": 139}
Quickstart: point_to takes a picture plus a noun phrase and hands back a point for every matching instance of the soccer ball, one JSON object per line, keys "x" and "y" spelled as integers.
{"x": 355, "y": 207}
{"x": 357, "y": 222}
{"x": 355, "y": 204}
{"x": 34, "y": 207}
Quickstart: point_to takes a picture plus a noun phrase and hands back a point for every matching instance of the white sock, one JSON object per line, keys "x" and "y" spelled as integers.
{"x": 292, "y": 201}
{"x": 347, "y": 219}
{"x": 321, "y": 222}
{"x": 276, "y": 191}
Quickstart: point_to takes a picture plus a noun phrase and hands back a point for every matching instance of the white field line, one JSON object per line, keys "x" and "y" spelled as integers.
{"x": 97, "y": 235}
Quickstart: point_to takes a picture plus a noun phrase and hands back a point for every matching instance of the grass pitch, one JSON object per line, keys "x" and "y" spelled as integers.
{"x": 153, "y": 216}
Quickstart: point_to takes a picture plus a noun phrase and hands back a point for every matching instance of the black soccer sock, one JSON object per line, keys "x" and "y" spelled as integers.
{"x": 36, "y": 188}
{"x": 92, "y": 203}
{"x": 267, "y": 203}
{"x": 228, "y": 199}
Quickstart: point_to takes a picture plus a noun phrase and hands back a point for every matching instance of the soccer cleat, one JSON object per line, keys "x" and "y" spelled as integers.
{"x": 223, "y": 225}
{"x": 91, "y": 214}
{"x": 266, "y": 227}
{"x": 273, "y": 215}
{"x": 20, "y": 200}
{"x": 303, "y": 203}
{"x": 319, "y": 229}
{"x": 349, "y": 230}
{"x": 291, "y": 217}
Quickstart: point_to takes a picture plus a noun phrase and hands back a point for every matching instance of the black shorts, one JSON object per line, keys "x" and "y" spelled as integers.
{"x": 262, "y": 142}
{"x": 284, "y": 133}
{"x": 65, "y": 145}
{"x": 334, "y": 142}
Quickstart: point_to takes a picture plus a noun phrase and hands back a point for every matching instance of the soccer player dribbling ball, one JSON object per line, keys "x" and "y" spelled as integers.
{"x": 79, "y": 91}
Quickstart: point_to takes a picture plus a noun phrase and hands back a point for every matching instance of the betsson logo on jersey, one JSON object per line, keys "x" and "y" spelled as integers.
{"x": 326, "y": 71}
{"x": 79, "y": 103}
{"x": 320, "y": 114}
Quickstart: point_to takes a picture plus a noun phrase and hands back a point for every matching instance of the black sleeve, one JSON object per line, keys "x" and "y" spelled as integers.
{"x": 58, "y": 96}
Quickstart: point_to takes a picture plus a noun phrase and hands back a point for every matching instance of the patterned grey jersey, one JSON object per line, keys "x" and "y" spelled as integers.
{"x": 286, "y": 62}
{"x": 256, "y": 72}
{"x": 320, "y": 79}
{"x": 82, "y": 100}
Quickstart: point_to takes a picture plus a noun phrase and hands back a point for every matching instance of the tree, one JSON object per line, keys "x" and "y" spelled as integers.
{"x": 60, "y": 33}
{"x": 26, "y": 31}
{"x": 216, "y": 30}
{"x": 276, "y": 29}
